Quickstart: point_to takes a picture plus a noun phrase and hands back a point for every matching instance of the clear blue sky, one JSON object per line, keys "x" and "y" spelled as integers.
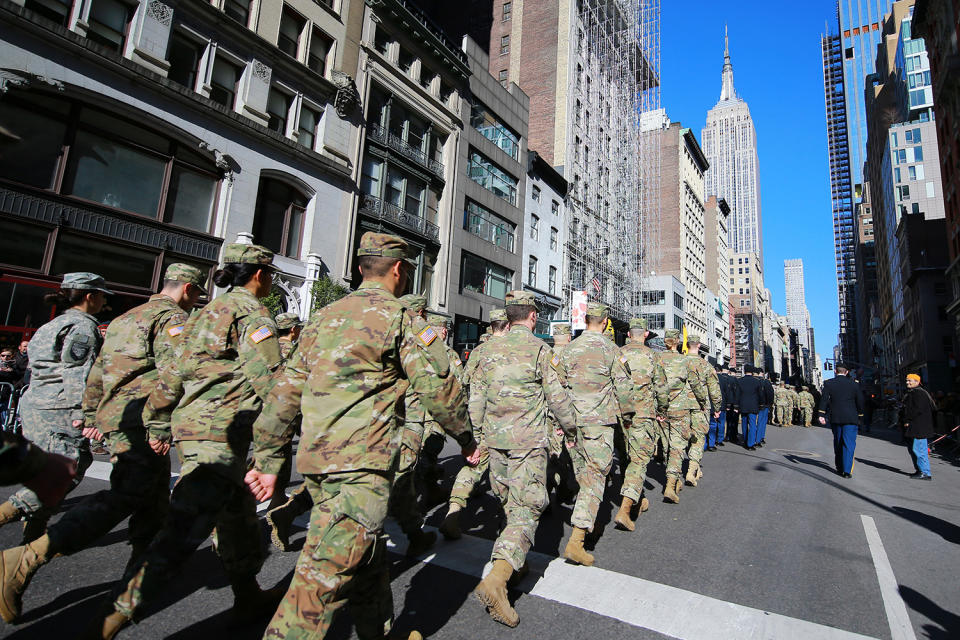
{"x": 777, "y": 69}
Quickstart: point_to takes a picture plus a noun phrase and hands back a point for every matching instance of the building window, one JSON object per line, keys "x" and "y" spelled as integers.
{"x": 405, "y": 61}
{"x": 678, "y": 323}
{"x": 382, "y": 41}
{"x": 184, "y": 58}
{"x": 278, "y": 108}
{"x": 678, "y": 301}
{"x": 504, "y": 45}
{"x": 483, "y": 276}
{"x": 320, "y": 46}
{"x": 307, "y": 126}
{"x": 291, "y": 29}
{"x": 491, "y": 177}
{"x": 532, "y": 271}
{"x": 108, "y": 23}
{"x": 649, "y": 298}
{"x": 239, "y": 10}
{"x": 535, "y": 193}
{"x": 555, "y": 207}
{"x": 490, "y": 127}
{"x": 507, "y": 11}
{"x": 553, "y": 238}
{"x": 223, "y": 83}
{"x": 54, "y": 10}
{"x": 552, "y": 282}
{"x": 278, "y": 217}
{"x": 654, "y": 320}
{"x": 482, "y": 222}
{"x": 503, "y": 78}
{"x": 534, "y": 227}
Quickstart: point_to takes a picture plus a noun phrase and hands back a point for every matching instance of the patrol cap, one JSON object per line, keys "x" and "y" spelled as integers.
{"x": 498, "y": 315}
{"x": 639, "y": 323}
{"x": 521, "y": 297}
{"x": 671, "y": 334}
{"x": 287, "y": 320}
{"x": 384, "y": 245}
{"x": 84, "y": 280}
{"x": 237, "y": 253}
{"x": 437, "y": 320}
{"x": 561, "y": 329}
{"x": 693, "y": 337}
{"x": 180, "y": 272}
{"x": 597, "y": 309}
{"x": 414, "y": 302}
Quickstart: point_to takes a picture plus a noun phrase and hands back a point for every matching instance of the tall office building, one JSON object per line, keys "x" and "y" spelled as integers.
{"x": 797, "y": 314}
{"x": 730, "y": 145}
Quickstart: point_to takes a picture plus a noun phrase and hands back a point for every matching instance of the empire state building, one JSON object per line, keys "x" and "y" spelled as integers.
{"x": 730, "y": 145}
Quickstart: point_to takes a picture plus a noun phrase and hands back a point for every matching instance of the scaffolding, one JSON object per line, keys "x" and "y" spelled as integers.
{"x": 614, "y": 203}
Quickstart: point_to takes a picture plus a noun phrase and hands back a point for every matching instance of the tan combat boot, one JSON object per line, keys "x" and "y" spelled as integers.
{"x": 644, "y": 503}
{"x": 622, "y": 519}
{"x": 574, "y": 551}
{"x": 17, "y": 567}
{"x": 492, "y": 592}
{"x": 8, "y": 513}
{"x": 419, "y": 542}
{"x": 670, "y": 491}
{"x": 250, "y": 602}
{"x": 693, "y": 473}
{"x": 450, "y": 527}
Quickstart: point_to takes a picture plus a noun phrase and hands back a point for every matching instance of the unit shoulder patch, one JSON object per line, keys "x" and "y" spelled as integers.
{"x": 261, "y": 334}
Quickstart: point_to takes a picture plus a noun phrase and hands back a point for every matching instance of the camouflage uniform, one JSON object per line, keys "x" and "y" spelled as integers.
{"x": 509, "y": 395}
{"x": 650, "y": 400}
{"x": 794, "y": 404}
{"x": 208, "y": 402}
{"x": 138, "y": 344}
{"x": 433, "y": 435}
{"x": 807, "y": 404}
{"x": 61, "y": 354}
{"x": 357, "y": 356}
{"x": 699, "y": 420}
{"x": 681, "y": 381}
{"x": 602, "y": 392}
{"x": 781, "y": 402}
{"x": 288, "y": 320}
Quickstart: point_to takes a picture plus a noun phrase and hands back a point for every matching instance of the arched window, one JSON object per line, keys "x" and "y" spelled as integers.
{"x": 278, "y": 221}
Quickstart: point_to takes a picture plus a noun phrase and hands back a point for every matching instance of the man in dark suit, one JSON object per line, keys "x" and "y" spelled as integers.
{"x": 842, "y": 406}
{"x": 733, "y": 417}
{"x": 751, "y": 400}
{"x": 764, "y": 417}
{"x": 718, "y": 422}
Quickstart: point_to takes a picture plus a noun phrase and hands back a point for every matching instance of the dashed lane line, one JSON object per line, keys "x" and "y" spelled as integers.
{"x": 897, "y": 616}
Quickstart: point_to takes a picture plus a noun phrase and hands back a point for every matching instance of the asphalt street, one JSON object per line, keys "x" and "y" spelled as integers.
{"x": 772, "y": 544}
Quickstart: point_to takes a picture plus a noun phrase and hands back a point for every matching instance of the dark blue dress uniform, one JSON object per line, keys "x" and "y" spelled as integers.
{"x": 750, "y": 402}
{"x": 842, "y": 407}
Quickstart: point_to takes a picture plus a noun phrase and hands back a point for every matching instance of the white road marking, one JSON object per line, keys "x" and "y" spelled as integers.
{"x": 897, "y": 616}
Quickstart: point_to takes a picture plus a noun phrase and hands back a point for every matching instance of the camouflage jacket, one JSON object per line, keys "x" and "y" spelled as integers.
{"x": 286, "y": 346}
{"x": 794, "y": 398}
{"x": 228, "y": 355}
{"x": 710, "y": 381}
{"x": 355, "y": 361}
{"x": 474, "y": 361}
{"x": 781, "y": 396}
{"x": 598, "y": 380}
{"x": 137, "y": 345}
{"x": 681, "y": 379}
{"x": 806, "y": 400}
{"x": 61, "y": 355}
{"x": 511, "y": 389}
{"x": 649, "y": 380}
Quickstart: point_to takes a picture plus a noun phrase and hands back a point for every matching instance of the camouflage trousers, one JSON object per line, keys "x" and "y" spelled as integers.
{"x": 519, "y": 480}
{"x": 807, "y": 416}
{"x": 592, "y": 461}
{"x": 209, "y": 493}
{"x": 403, "y": 496}
{"x": 343, "y": 561}
{"x": 52, "y": 431}
{"x": 641, "y": 440}
{"x": 679, "y": 431}
{"x": 469, "y": 477}
{"x": 699, "y": 426}
{"x": 139, "y": 488}
{"x": 784, "y": 414}
{"x": 433, "y": 440}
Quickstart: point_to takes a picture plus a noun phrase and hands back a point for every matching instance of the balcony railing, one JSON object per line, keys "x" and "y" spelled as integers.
{"x": 383, "y": 210}
{"x": 379, "y": 134}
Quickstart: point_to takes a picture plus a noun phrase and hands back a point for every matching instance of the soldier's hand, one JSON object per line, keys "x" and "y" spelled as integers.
{"x": 261, "y": 485}
{"x": 54, "y": 480}
{"x": 159, "y": 447}
{"x": 471, "y": 453}
{"x": 91, "y": 432}
{"x": 716, "y": 414}
{"x": 77, "y": 424}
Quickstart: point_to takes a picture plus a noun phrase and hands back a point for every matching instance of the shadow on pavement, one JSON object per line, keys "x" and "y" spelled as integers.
{"x": 947, "y": 530}
{"x": 880, "y": 465}
{"x": 948, "y": 623}
{"x": 89, "y": 593}
{"x": 427, "y": 608}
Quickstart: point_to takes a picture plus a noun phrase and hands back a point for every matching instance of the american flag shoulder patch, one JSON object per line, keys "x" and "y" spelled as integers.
{"x": 175, "y": 331}
{"x": 623, "y": 359}
{"x": 261, "y": 334}
{"x": 555, "y": 361}
{"x": 427, "y": 336}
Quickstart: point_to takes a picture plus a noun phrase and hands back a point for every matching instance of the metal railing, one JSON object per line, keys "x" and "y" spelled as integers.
{"x": 380, "y": 134}
{"x": 383, "y": 210}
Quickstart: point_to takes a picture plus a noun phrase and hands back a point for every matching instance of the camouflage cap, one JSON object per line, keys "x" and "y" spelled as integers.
{"x": 288, "y": 320}
{"x": 498, "y": 315}
{"x": 384, "y": 245}
{"x": 414, "y": 302}
{"x": 561, "y": 329}
{"x": 638, "y": 323}
{"x": 180, "y": 272}
{"x": 437, "y": 320}
{"x": 84, "y": 280}
{"x": 671, "y": 334}
{"x": 693, "y": 337}
{"x": 597, "y": 309}
{"x": 237, "y": 253}
{"x": 521, "y": 297}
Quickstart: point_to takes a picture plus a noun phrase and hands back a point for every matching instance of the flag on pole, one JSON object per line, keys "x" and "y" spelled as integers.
{"x": 683, "y": 349}
{"x": 596, "y": 284}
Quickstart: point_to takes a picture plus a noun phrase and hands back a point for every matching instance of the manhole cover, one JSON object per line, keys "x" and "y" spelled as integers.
{"x": 800, "y": 454}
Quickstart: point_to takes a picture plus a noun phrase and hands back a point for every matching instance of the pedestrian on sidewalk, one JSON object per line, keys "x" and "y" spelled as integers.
{"x": 918, "y": 411}
{"x": 842, "y": 406}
